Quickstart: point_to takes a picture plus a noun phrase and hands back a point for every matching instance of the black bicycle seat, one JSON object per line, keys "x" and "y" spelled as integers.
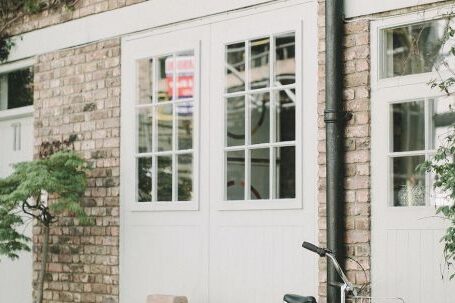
{"x": 298, "y": 299}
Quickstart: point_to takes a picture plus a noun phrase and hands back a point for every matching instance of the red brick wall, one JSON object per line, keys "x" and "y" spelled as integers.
{"x": 77, "y": 91}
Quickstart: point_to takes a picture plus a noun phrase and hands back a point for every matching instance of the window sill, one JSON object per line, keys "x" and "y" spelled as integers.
{"x": 163, "y": 206}
{"x": 16, "y": 113}
{"x": 260, "y": 204}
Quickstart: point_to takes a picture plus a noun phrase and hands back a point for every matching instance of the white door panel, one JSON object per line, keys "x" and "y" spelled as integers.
{"x": 407, "y": 256}
{"x": 16, "y": 137}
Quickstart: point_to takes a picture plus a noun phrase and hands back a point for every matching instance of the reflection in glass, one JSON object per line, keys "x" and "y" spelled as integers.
{"x": 184, "y": 113}
{"x": 443, "y": 118}
{"x": 145, "y": 81}
{"x": 285, "y": 115}
{"x": 259, "y": 168}
{"x": 164, "y": 178}
{"x": 408, "y": 183}
{"x": 185, "y": 177}
{"x": 416, "y": 48}
{"x": 235, "y": 67}
{"x": 259, "y": 63}
{"x": 185, "y": 75}
{"x": 260, "y": 118}
{"x": 408, "y": 126}
{"x": 144, "y": 179}
{"x": 145, "y": 129}
{"x": 235, "y": 175}
{"x": 235, "y": 121}
{"x": 284, "y": 71}
{"x": 165, "y": 75}
{"x": 285, "y": 172}
{"x": 164, "y": 121}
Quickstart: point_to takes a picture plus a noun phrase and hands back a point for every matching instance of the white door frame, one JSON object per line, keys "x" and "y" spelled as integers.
{"x": 405, "y": 240}
{"x": 142, "y": 215}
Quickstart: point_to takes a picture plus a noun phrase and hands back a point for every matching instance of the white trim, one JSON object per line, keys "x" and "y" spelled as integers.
{"x": 8, "y": 114}
{"x": 20, "y": 64}
{"x": 355, "y": 8}
{"x": 132, "y": 51}
{"x": 130, "y": 19}
{"x": 376, "y": 46}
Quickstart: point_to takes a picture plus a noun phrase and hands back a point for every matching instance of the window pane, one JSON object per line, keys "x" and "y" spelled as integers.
{"x": 144, "y": 177}
{"x": 165, "y": 73}
{"x": 260, "y": 118}
{"x": 259, "y": 168}
{"x": 185, "y": 177}
{"x": 164, "y": 184}
{"x": 443, "y": 118}
{"x": 145, "y": 130}
{"x": 164, "y": 117}
{"x": 408, "y": 126}
{"x": 185, "y": 125}
{"x": 185, "y": 75}
{"x": 416, "y": 48}
{"x": 16, "y": 89}
{"x": 235, "y": 175}
{"x": 285, "y": 115}
{"x": 284, "y": 59}
{"x": 285, "y": 172}
{"x": 408, "y": 183}
{"x": 235, "y": 121}
{"x": 145, "y": 81}
{"x": 259, "y": 63}
{"x": 235, "y": 67}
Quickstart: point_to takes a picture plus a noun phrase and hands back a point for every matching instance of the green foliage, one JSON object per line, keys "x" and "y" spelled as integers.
{"x": 13, "y": 10}
{"x": 61, "y": 177}
{"x": 442, "y": 165}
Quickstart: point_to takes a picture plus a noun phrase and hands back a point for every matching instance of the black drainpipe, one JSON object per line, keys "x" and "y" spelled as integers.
{"x": 335, "y": 119}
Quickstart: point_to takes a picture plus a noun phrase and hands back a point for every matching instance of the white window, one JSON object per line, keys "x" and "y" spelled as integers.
{"x": 260, "y": 98}
{"x": 419, "y": 117}
{"x": 164, "y": 127}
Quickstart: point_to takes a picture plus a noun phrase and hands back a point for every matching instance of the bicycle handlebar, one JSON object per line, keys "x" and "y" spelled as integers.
{"x": 324, "y": 252}
{"x": 311, "y": 247}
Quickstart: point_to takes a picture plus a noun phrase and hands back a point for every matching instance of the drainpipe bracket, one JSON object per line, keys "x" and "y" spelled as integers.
{"x": 333, "y": 116}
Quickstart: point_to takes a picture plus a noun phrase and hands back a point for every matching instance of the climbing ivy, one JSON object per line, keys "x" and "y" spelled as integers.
{"x": 12, "y": 11}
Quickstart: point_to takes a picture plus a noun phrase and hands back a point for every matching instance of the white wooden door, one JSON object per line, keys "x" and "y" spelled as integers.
{"x": 16, "y": 137}
{"x": 211, "y": 249}
{"x": 255, "y": 237}
{"x": 407, "y": 256}
{"x": 164, "y": 245}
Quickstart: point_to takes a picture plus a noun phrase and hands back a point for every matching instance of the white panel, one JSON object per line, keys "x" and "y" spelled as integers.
{"x": 164, "y": 260}
{"x": 16, "y": 276}
{"x": 354, "y": 8}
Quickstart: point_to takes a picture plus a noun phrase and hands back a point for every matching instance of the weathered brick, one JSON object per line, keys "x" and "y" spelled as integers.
{"x": 78, "y": 272}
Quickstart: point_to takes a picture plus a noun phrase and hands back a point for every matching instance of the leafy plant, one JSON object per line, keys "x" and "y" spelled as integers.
{"x": 41, "y": 189}
{"x": 13, "y": 10}
{"x": 442, "y": 165}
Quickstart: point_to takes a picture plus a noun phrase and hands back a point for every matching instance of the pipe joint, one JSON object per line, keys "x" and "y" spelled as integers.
{"x": 334, "y": 116}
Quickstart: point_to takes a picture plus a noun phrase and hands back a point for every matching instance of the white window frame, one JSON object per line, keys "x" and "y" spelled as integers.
{"x": 136, "y": 50}
{"x": 7, "y": 114}
{"x": 271, "y": 89}
{"x": 306, "y": 112}
{"x": 387, "y": 91}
